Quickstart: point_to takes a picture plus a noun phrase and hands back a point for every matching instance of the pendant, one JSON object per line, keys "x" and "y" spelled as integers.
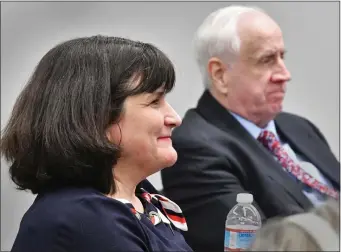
{"x": 154, "y": 217}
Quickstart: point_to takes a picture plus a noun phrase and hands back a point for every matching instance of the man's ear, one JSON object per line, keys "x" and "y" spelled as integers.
{"x": 219, "y": 75}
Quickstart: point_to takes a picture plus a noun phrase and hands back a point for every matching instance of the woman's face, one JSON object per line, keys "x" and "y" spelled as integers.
{"x": 144, "y": 132}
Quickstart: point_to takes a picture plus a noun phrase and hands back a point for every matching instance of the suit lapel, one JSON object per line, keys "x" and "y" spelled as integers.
{"x": 302, "y": 143}
{"x": 266, "y": 163}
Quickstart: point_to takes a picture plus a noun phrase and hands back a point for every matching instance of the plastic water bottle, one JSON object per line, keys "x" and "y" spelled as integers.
{"x": 242, "y": 222}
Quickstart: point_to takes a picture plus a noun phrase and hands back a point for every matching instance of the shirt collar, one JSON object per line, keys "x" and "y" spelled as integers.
{"x": 253, "y": 129}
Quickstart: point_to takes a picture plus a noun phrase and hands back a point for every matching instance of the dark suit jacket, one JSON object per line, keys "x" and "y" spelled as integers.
{"x": 218, "y": 158}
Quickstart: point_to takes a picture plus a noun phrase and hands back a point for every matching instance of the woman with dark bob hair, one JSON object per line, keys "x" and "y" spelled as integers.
{"x": 87, "y": 130}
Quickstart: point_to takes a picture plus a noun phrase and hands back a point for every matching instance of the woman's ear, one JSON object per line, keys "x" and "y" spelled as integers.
{"x": 114, "y": 134}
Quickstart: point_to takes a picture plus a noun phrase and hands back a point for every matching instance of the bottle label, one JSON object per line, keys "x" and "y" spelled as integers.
{"x": 238, "y": 239}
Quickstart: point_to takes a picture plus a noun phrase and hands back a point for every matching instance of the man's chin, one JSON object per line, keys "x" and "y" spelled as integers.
{"x": 270, "y": 114}
{"x": 276, "y": 108}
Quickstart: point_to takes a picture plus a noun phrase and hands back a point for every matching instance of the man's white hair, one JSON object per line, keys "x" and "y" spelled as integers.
{"x": 217, "y": 36}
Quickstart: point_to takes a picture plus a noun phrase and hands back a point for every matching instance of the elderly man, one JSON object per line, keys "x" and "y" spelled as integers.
{"x": 238, "y": 139}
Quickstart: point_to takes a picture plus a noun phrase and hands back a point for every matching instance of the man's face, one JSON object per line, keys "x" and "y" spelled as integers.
{"x": 258, "y": 77}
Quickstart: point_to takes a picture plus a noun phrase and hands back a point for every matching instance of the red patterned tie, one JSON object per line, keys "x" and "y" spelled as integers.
{"x": 268, "y": 139}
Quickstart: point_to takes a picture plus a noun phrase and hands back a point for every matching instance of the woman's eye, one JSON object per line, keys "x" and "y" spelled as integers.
{"x": 155, "y": 102}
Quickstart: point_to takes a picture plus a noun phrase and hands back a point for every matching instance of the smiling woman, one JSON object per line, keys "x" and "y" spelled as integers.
{"x": 86, "y": 131}
{"x": 149, "y": 147}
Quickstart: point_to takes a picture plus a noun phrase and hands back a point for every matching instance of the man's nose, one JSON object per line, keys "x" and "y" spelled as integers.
{"x": 282, "y": 74}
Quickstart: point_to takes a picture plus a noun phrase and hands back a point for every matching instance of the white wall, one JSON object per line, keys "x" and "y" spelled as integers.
{"x": 311, "y": 31}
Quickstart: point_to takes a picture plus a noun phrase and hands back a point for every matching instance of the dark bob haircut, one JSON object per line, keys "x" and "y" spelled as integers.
{"x": 56, "y": 133}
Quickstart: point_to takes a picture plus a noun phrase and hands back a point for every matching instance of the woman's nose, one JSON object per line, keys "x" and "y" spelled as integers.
{"x": 172, "y": 118}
